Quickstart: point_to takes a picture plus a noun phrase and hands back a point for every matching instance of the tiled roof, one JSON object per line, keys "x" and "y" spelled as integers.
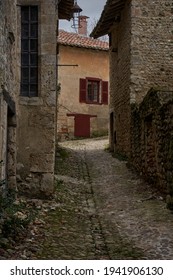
{"x": 76, "y": 40}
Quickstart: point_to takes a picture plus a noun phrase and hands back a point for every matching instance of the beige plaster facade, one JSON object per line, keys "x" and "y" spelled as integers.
{"x": 90, "y": 62}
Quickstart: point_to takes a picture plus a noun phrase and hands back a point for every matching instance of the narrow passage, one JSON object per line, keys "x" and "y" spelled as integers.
{"x": 101, "y": 210}
{"x": 128, "y": 219}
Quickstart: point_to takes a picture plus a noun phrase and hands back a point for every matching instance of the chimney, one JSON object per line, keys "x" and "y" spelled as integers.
{"x": 82, "y": 29}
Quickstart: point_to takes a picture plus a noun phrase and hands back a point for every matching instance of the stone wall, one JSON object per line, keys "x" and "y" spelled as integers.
{"x": 120, "y": 80}
{"x": 8, "y": 46}
{"x": 8, "y": 92}
{"x": 151, "y": 67}
{"x": 152, "y": 139}
{"x": 3, "y": 139}
{"x": 29, "y": 148}
{"x": 37, "y": 115}
{"x": 151, "y": 46}
{"x": 140, "y": 57}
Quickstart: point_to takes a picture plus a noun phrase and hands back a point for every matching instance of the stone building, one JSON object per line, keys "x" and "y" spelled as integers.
{"x": 28, "y": 76}
{"x": 141, "y": 48}
{"x": 8, "y": 89}
{"x": 83, "y": 76}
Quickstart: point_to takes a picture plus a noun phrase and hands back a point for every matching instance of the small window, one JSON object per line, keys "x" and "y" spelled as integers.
{"x": 29, "y": 51}
{"x": 94, "y": 91}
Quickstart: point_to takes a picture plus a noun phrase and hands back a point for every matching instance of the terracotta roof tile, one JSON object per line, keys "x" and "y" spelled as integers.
{"x": 76, "y": 40}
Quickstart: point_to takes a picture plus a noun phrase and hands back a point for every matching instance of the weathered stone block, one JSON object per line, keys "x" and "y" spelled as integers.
{"x": 41, "y": 163}
{"x": 41, "y": 119}
{"x": 47, "y": 184}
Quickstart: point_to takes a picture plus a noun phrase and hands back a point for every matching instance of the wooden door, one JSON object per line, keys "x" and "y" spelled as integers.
{"x": 82, "y": 126}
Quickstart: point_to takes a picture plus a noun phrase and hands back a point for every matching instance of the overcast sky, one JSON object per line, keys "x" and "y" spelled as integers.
{"x": 91, "y": 8}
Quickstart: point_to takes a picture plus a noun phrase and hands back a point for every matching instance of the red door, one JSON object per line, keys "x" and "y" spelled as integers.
{"x": 82, "y": 125}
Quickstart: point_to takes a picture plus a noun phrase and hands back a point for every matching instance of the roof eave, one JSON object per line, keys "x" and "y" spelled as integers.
{"x": 65, "y": 9}
{"x": 83, "y": 47}
{"x": 110, "y": 14}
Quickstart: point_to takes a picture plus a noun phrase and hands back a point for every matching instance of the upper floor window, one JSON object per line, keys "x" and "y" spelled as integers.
{"x": 29, "y": 51}
{"x": 93, "y": 90}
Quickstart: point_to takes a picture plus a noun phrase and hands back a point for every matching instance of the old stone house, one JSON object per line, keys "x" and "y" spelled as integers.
{"x": 83, "y": 77}
{"x": 28, "y": 95}
{"x": 140, "y": 39}
{"x": 8, "y": 88}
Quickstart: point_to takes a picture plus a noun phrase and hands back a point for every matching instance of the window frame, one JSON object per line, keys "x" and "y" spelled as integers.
{"x": 102, "y": 94}
{"x": 29, "y": 66}
{"x": 93, "y": 80}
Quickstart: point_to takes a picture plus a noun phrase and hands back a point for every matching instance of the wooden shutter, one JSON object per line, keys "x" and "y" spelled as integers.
{"x": 82, "y": 90}
{"x": 104, "y": 92}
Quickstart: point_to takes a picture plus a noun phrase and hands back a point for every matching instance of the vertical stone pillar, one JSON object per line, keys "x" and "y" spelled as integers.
{"x": 11, "y": 156}
{"x": 37, "y": 121}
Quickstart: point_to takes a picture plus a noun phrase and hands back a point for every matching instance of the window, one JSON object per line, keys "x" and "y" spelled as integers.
{"x": 29, "y": 51}
{"x": 93, "y": 90}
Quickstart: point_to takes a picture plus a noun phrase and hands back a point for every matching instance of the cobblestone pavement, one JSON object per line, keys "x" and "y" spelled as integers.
{"x": 128, "y": 219}
{"x": 101, "y": 210}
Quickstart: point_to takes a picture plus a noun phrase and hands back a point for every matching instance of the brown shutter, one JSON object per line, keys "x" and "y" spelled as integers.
{"x": 82, "y": 90}
{"x": 104, "y": 92}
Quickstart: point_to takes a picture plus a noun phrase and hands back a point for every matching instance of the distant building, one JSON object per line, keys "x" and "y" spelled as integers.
{"x": 83, "y": 77}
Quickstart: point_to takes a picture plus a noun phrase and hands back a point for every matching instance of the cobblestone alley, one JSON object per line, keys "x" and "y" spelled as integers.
{"x": 101, "y": 211}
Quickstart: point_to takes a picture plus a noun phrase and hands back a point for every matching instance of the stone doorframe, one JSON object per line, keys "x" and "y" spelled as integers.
{"x": 10, "y": 142}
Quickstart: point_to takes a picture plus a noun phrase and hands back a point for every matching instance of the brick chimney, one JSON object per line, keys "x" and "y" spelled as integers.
{"x": 82, "y": 29}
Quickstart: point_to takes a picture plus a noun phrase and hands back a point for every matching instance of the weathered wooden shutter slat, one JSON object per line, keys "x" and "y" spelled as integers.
{"x": 104, "y": 92}
{"x": 82, "y": 90}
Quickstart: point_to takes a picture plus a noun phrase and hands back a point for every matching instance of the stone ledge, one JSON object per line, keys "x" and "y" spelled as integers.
{"x": 30, "y": 101}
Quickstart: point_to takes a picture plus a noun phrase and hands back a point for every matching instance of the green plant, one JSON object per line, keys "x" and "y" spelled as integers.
{"x": 102, "y": 133}
{"x": 63, "y": 153}
{"x": 15, "y": 215}
{"x": 116, "y": 154}
{"x": 120, "y": 156}
{"x": 107, "y": 148}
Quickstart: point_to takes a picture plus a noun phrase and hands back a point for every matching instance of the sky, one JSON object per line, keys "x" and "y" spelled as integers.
{"x": 91, "y": 8}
